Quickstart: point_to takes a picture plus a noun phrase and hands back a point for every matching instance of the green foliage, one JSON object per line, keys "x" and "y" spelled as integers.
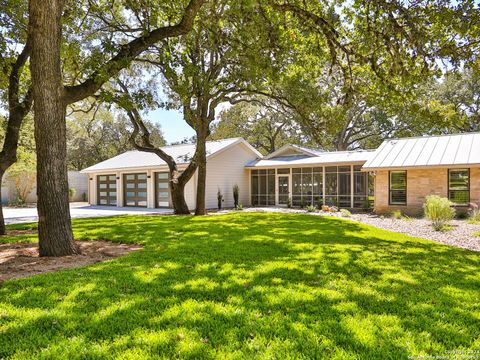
{"x": 96, "y": 133}
{"x": 71, "y": 193}
{"x": 240, "y": 207}
{"x": 311, "y": 208}
{"x": 474, "y": 217}
{"x": 260, "y": 123}
{"x": 219, "y": 199}
{"x": 345, "y": 213}
{"x": 289, "y": 202}
{"x": 236, "y": 285}
{"x": 439, "y": 211}
{"x": 236, "y": 195}
{"x": 396, "y": 214}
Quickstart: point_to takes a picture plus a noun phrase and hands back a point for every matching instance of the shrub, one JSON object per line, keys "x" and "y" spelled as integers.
{"x": 219, "y": 199}
{"x": 71, "y": 193}
{"x": 236, "y": 193}
{"x": 396, "y": 214}
{"x": 84, "y": 197}
{"x": 319, "y": 202}
{"x": 439, "y": 211}
{"x": 474, "y": 217}
{"x": 240, "y": 207}
{"x": 325, "y": 208}
{"x": 289, "y": 202}
{"x": 311, "y": 208}
{"x": 345, "y": 213}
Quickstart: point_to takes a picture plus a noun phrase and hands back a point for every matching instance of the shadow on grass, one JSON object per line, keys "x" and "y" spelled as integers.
{"x": 248, "y": 285}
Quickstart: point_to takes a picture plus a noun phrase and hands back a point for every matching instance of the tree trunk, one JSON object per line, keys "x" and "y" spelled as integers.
{"x": 179, "y": 204}
{"x": 54, "y": 225}
{"x": 202, "y": 135}
{"x": 3, "y": 229}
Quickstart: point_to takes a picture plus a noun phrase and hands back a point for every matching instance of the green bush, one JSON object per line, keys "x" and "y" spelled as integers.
{"x": 240, "y": 207}
{"x": 474, "y": 217}
{"x": 396, "y": 214}
{"x": 439, "y": 211}
{"x": 289, "y": 202}
{"x": 345, "y": 213}
{"x": 236, "y": 195}
{"x": 71, "y": 193}
{"x": 311, "y": 208}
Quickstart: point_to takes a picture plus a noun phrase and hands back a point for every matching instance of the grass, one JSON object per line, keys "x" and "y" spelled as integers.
{"x": 247, "y": 285}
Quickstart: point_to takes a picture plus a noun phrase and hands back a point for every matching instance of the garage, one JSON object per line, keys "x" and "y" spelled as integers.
{"x": 135, "y": 189}
{"x": 162, "y": 190}
{"x": 107, "y": 190}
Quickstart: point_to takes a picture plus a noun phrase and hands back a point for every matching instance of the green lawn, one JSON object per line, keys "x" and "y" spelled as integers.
{"x": 248, "y": 285}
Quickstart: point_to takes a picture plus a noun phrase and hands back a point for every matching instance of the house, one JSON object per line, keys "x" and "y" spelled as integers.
{"x": 140, "y": 179}
{"x": 407, "y": 170}
{"x": 397, "y": 175}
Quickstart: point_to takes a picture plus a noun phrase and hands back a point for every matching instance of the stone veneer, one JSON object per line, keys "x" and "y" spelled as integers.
{"x": 420, "y": 183}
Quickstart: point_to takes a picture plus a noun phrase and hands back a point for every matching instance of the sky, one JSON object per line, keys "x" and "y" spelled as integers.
{"x": 173, "y": 126}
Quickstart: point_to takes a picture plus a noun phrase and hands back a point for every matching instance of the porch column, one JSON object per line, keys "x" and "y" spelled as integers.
{"x": 351, "y": 186}
{"x": 150, "y": 189}
{"x": 92, "y": 189}
{"x": 119, "y": 177}
{"x": 323, "y": 185}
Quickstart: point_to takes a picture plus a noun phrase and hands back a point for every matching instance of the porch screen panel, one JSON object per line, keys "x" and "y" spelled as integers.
{"x": 263, "y": 187}
{"x": 135, "y": 189}
{"x": 107, "y": 190}
{"x": 318, "y": 186}
{"x": 306, "y": 186}
{"x": 331, "y": 185}
{"x": 360, "y": 187}
{"x": 344, "y": 186}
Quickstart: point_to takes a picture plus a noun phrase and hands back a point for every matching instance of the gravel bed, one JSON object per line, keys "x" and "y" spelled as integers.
{"x": 461, "y": 234}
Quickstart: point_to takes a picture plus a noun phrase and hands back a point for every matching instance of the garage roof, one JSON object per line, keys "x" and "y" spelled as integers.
{"x": 445, "y": 150}
{"x": 182, "y": 154}
{"x": 323, "y": 158}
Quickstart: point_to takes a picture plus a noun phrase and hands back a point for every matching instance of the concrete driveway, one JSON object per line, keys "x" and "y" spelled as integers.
{"x": 77, "y": 210}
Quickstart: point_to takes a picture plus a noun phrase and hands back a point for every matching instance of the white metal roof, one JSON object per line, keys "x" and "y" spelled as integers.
{"x": 324, "y": 158}
{"x": 444, "y": 150}
{"x": 180, "y": 153}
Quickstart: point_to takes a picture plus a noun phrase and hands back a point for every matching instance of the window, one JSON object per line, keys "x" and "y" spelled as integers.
{"x": 398, "y": 187}
{"x": 459, "y": 186}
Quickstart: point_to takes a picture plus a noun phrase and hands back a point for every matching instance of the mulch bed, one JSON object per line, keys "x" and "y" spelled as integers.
{"x": 20, "y": 260}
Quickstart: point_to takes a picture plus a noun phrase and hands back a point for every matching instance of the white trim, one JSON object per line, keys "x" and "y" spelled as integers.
{"x": 290, "y": 147}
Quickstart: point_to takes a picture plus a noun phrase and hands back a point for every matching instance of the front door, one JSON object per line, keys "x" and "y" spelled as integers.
{"x": 283, "y": 189}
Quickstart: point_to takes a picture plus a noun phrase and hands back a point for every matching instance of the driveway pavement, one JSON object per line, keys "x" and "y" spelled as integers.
{"x": 77, "y": 210}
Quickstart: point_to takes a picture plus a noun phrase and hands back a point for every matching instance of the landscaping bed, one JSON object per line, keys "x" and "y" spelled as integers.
{"x": 19, "y": 260}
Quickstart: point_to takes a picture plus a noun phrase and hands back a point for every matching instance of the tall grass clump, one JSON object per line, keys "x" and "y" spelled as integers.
{"x": 439, "y": 211}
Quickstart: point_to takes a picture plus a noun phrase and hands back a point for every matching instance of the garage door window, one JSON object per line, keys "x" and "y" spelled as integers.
{"x": 162, "y": 189}
{"x": 107, "y": 190}
{"x": 135, "y": 189}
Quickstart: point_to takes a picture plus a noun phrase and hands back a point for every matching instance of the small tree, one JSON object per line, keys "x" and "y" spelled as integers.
{"x": 439, "y": 211}
{"x": 236, "y": 193}
{"x": 23, "y": 174}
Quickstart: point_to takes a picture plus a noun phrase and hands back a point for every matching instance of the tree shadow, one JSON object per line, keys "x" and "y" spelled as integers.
{"x": 244, "y": 285}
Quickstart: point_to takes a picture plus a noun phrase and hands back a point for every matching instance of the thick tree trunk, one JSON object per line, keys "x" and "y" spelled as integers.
{"x": 54, "y": 225}
{"x": 179, "y": 204}
{"x": 201, "y": 150}
{"x": 3, "y": 229}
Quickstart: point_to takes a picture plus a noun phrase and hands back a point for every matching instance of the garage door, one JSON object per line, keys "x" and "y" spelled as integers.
{"x": 135, "y": 189}
{"x": 107, "y": 190}
{"x": 162, "y": 195}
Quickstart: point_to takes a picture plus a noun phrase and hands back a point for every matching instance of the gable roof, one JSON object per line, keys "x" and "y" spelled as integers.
{"x": 324, "y": 158}
{"x": 444, "y": 150}
{"x": 182, "y": 154}
{"x": 288, "y": 148}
